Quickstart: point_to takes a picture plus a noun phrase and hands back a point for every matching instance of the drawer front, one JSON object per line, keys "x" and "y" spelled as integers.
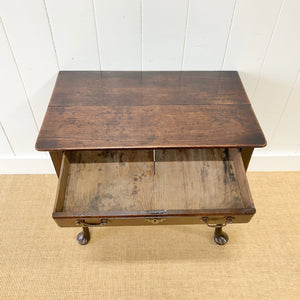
{"x": 148, "y": 221}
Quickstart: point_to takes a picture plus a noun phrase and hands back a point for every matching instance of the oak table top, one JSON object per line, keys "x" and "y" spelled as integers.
{"x": 138, "y": 110}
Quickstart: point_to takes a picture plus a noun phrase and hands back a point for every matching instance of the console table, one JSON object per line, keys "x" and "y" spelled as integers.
{"x": 150, "y": 148}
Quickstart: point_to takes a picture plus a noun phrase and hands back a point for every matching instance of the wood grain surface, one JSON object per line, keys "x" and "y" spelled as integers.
{"x": 115, "y": 110}
{"x": 94, "y": 88}
{"x": 184, "y": 179}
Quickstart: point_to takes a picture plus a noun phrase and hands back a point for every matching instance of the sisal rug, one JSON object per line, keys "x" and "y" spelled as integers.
{"x": 39, "y": 260}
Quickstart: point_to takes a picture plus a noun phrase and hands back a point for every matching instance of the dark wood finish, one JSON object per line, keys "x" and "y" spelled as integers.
{"x": 246, "y": 156}
{"x": 121, "y": 186}
{"x": 83, "y": 237}
{"x": 113, "y": 88}
{"x": 117, "y": 110}
{"x": 220, "y": 237}
{"x": 182, "y": 218}
{"x": 62, "y": 183}
{"x": 193, "y": 126}
{"x": 92, "y": 110}
{"x": 56, "y": 157}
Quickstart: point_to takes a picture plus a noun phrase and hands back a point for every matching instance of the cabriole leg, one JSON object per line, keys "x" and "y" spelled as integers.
{"x": 221, "y": 238}
{"x": 83, "y": 237}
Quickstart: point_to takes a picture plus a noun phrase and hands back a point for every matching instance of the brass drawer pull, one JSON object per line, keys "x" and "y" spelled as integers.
{"x": 228, "y": 220}
{"x": 155, "y": 220}
{"x": 102, "y": 222}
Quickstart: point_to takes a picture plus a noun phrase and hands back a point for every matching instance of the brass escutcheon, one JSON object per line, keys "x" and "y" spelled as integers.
{"x": 155, "y": 220}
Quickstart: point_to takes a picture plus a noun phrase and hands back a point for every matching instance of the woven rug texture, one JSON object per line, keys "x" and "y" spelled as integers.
{"x": 39, "y": 260}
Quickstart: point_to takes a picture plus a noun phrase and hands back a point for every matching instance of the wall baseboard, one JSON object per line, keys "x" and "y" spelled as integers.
{"x": 274, "y": 162}
{"x": 26, "y": 165}
{"x": 43, "y": 165}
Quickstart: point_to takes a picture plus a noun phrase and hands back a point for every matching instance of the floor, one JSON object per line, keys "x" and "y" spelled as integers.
{"x": 39, "y": 260}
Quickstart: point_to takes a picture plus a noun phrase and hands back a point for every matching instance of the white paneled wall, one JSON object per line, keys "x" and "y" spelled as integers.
{"x": 16, "y": 116}
{"x": 207, "y": 31}
{"x": 29, "y": 37}
{"x": 279, "y": 72}
{"x": 286, "y": 134}
{"x": 252, "y": 27}
{"x": 72, "y": 24}
{"x": 163, "y": 36}
{"x": 5, "y": 148}
{"x": 119, "y": 30}
{"x": 260, "y": 39}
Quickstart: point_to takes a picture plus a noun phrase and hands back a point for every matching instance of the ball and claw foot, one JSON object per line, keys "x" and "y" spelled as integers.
{"x": 221, "y": 238}
{"x": 83, "y": 237}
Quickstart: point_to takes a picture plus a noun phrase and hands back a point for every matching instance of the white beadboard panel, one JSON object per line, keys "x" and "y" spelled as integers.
{"x": 207, "y": 33}
{"x": 287, "y": 136}
{"x": 15, "y": 114}
{"x": 163, "y": 26}
{"x": 280, "y": 69}
{"x": 74, "y": 33}
{"x": 251, "y": 31}
{"x": 5, "y": 149}
{"x": 29, "y": 35}
{"x": 119, "y": 34}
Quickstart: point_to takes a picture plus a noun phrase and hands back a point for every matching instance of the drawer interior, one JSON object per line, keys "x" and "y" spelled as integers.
{"x": 147, "y": 182}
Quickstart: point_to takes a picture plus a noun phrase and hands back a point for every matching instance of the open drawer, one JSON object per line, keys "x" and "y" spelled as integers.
{"x": 144, "y": 187}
